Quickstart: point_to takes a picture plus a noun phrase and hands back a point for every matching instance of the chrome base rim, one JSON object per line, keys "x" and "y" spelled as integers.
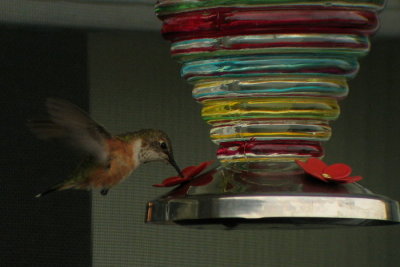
{"x": 274, "y": 211}
{"x": 278, "y": 195}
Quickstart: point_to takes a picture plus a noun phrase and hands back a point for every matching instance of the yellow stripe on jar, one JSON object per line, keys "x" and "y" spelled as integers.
{"x": 270, "y": 108}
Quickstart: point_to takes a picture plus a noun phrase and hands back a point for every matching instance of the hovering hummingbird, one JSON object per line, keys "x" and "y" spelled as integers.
{"x": 111, "y": 158}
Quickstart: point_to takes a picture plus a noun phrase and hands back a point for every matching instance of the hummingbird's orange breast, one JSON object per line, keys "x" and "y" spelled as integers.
{"x": 122, "y": 163}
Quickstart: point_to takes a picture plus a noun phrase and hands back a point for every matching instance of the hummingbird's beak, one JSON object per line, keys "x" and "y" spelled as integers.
{"x": 173, "y": 163}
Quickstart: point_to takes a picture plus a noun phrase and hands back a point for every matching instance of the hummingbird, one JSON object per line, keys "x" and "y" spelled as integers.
{"x": 110, "y": 158}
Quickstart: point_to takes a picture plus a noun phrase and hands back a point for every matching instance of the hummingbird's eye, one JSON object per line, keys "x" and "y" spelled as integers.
{"x": 163, "y": 145}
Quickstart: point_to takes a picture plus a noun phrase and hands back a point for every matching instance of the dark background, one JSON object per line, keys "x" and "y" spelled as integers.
{"x": 54, "y": 231}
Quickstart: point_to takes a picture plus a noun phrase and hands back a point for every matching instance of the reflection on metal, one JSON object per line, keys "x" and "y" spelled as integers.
{"x": 270, "y": 198}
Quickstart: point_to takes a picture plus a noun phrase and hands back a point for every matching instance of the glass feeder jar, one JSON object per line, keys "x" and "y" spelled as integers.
{"x": 269, "y": 75}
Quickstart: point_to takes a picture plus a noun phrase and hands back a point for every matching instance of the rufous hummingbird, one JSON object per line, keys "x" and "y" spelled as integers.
{"x": 110, "y": 158}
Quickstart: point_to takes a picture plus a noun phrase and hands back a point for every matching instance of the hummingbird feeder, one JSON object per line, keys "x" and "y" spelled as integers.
{"x": 269, "y": 74}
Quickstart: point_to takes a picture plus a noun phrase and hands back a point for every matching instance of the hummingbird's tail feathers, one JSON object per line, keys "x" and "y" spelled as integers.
{"x": 48, "y": 191}
{"x": 57, "y": 187}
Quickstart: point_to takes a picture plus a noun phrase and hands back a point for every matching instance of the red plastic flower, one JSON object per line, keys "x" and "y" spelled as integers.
{"x": 338, "y": 172}
{"x": 188, "y": 174}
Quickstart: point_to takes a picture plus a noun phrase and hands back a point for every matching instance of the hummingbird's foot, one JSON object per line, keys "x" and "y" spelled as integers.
{"x": 104, "y": 191}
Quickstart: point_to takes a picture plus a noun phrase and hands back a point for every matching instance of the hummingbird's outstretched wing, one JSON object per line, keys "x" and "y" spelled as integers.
{"x": 73, "y": 124}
